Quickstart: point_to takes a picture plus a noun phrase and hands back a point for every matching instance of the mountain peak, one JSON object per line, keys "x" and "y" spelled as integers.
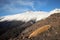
{"x": 26, "y": 16}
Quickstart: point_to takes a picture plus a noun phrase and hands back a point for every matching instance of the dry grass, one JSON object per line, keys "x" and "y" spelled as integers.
{"x": 39, "y": 30}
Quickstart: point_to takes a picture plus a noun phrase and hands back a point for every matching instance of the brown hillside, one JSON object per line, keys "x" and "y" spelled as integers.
{"x": 52, "y": 34}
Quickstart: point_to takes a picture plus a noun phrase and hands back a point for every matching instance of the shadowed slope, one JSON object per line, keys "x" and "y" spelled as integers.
{"x": 16, "y": 30}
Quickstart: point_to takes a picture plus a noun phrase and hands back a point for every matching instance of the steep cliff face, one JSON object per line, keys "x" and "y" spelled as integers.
{"x": 51, "y": 34}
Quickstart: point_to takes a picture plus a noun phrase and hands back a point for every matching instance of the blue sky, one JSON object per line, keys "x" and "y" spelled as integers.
{"x": 8, "y": 7}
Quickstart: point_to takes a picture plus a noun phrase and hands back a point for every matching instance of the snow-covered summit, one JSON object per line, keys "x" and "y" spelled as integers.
{"x": 26, "y": 16}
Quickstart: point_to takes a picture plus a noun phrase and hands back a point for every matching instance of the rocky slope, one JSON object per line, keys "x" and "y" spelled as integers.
{"x": 52, "y": 34}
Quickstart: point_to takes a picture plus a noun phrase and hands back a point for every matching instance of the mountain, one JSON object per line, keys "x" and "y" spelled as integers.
{"x": 11, "y": 21}
{"x": 52, "y": 34}
{"x": 20, "y": 26}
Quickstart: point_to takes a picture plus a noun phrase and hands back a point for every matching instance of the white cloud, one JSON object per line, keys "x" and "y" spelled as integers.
{"x": 25, "y": 3}
{"x": 22, "y": 2}
{"x": 11, "y": 7}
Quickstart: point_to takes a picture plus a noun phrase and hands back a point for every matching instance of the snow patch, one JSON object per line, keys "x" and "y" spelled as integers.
{"x": 56, "y": 10}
